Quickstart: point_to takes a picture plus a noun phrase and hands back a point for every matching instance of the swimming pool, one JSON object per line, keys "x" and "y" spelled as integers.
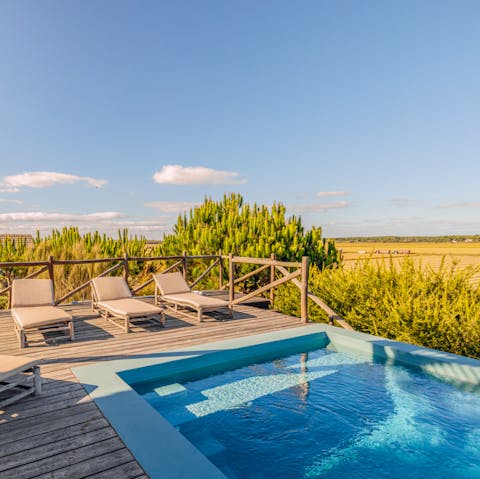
{"x": 307, "y": 402}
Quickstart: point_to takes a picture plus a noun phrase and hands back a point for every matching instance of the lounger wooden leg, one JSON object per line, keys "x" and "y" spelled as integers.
{"x": 71, "y": 330}
{"x": 199, "y": 315}
{"x": 230, "y": 309}
{"x": 22, "y": 338}
{"x": 162, "y": 318}
{"x": 127, "y": 324}
{"x": 37, "y": 380}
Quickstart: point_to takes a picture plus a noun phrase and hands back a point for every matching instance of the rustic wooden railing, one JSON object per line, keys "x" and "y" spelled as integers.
{"x": 301, "y": 270}
{"x": 121, "y": 263}
{"x": 296, "y": 272}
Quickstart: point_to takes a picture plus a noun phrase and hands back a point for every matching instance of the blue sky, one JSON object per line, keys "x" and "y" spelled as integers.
{"x": 362, "y": 117}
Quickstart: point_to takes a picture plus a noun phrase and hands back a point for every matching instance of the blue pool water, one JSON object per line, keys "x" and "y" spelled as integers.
{"x": 325, "y": 414}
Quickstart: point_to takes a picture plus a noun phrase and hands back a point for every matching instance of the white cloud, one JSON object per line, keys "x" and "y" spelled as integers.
{"x": 171, "y": 206}
{"x": 327, "y": 194}
{"x": 43, "y": 179}
{"x": 139, "y": 226}
{"x": 407, "y": 226}
{"x": 103, "y": 215}
{"x": 196, "y": 175}
{"x": 319, "y": 207}
{"x": 41, "y": 216}
{"x": 108, "y": 222}
{"x": 465, "y": 204}
{"x": 403, "y": 202}
{"x": 16, "y": 202}
{"x": 9, "y": 190}
{"x": 407, "y": 219}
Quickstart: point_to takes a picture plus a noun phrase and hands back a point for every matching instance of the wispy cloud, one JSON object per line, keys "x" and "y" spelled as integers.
{"x": 9, "y": 190}
{"x": 406, "y": 226}
{"x": 43, "y": 179}
{"x": 319, "y": 207}
{"x": 196, "y": 175}
{"x": 171, "y": 206}
{"x": 407, "y": 219}
{"x": 328, "y": 194}
{"x": 5, "y": 200}
{"x": 39, "y": 216}
{"x": 464, "y": 205}
{"x": 403, "y": 202}
{"x": 140, "y": 226}
{"x": 108, "y": 222}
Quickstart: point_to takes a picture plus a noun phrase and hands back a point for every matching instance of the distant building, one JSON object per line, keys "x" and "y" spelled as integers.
{"x": 27, "y": 238}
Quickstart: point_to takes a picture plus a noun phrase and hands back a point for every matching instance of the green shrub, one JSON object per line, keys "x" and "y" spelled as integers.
{"x": 437, "y": 309}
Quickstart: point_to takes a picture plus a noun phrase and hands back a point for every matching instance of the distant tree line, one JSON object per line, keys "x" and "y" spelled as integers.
{"x": 409, "y": 239}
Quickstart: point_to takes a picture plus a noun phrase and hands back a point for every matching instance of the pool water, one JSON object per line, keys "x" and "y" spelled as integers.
{"x": 325, "y": 414}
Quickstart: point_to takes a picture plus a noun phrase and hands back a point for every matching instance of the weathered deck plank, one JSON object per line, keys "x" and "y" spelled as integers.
{"x": 62, "y": 433}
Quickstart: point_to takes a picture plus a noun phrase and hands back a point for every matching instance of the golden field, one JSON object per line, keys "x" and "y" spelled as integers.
{"x": 425, "y": 254}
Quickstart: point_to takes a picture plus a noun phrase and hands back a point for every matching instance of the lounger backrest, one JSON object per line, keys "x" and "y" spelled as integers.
{"x": 171, "y": 283}
{"x": 107, "y": 289}
{"x": 32, "y": 292}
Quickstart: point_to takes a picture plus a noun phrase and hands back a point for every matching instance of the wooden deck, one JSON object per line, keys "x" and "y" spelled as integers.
{"x": 62, "y": 434}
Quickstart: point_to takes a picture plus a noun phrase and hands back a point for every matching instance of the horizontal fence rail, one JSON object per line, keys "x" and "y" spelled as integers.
{"x": 121, "y": 263}
{"x": 297, "y": 275}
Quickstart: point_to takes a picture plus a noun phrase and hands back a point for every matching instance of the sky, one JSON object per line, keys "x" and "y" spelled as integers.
{"x": 362, "y": 116}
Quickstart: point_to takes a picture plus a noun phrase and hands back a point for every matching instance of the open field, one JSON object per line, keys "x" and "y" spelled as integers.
{"x": 425, "y": 254}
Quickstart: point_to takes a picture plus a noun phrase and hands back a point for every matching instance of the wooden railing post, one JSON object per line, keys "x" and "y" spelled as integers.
{"x": 9, "y": 293}
{"x": 220, "y": 271}
{"x": 273, "y": 256}
{"x": 231, "y": 280}
{"x": 51, "y": 274}
{"x": 125, "y": 266}
{"x": 184, "y": 261}
{"x": 304, "y": 290}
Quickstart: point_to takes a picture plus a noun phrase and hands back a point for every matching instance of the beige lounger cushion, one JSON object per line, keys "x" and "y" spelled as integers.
{"x": 196, "y": 300}
{"x": 170, "y": 283}
{"x": 112, "y": 288}
{"x": 32, "y": 292}
{"x": 11, "y": 365}
{"x": 39, "y": 316}
{"x": 129, "y": 308}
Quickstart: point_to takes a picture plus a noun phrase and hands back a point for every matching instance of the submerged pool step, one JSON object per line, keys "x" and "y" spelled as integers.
{"x": 184, "y": 408}
{"x": 180, "y": 405}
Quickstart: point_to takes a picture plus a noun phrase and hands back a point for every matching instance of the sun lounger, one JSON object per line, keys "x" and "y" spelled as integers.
{"x": 33, "y": 310}
{"x": 174, "y": 290}
{"x": 19, "y": 377}
{"x": 113, "y": 298}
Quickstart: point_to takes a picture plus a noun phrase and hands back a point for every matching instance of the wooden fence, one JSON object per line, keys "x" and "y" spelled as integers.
{"x": 295, "y": 272}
